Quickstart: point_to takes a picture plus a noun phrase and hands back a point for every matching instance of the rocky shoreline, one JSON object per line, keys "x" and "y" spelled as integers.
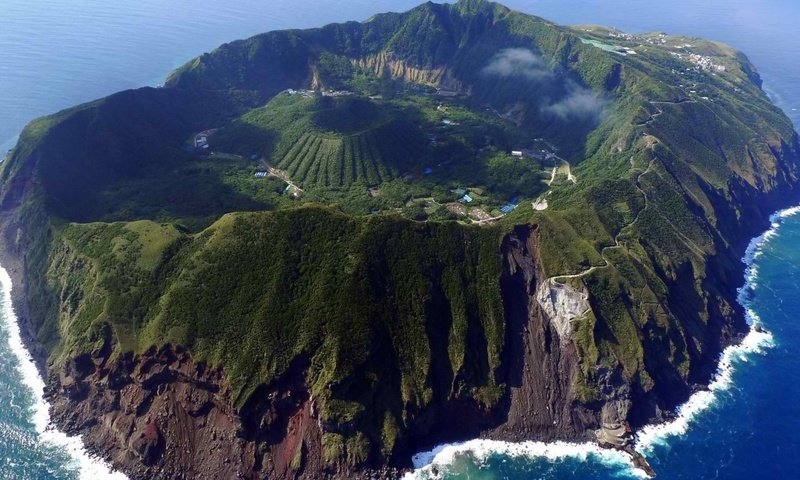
{"x": 111, "y": 405}
{"x": 159, "y": 413}
{"x": 12, "y": 262}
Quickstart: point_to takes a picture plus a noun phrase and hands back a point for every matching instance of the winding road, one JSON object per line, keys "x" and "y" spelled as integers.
{"x": 272, "y": 171}
{"x": 617, "y": 244}
{"x": 637, "y": 183}
{"x": 660, "y": 111}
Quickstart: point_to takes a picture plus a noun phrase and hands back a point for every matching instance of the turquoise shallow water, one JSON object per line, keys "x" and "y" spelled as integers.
{"x": 56, "y": 53}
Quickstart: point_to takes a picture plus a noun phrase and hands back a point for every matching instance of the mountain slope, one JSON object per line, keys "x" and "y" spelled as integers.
{"x": 277, "y": 307}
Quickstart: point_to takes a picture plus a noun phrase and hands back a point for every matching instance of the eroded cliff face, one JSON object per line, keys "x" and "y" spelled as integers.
{"x": 155, "y": 414}
{"x": 161, "y": 414}
{"x": 541, "y": 361}
{"x": 388, "y": 64}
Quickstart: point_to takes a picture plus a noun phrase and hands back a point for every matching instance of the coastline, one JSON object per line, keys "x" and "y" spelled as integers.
{"x": 756, "y": 342}
{"x": 12, "y": 264}
{"x": 429, "y": 465}
{"x": 89, "y": 467}
{"x": 689, "y": 410}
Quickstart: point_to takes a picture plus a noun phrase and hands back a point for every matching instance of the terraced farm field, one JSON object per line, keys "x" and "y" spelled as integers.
{"x": 328, "y": 141}
{"x": 372, "y": 156}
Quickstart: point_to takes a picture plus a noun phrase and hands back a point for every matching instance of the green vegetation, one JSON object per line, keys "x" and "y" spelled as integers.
{"x": 324, "y": 141}
{"x": 350, "y": 228}
{"x": 363, "y": 299}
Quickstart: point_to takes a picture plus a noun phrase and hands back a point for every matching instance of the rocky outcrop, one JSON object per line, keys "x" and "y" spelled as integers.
{"x": 160, "y": 414}
{"x": 540, "y": 361}
{"x": 386, "y": 63}
{"x": 561, "y": 304}
{"x": 163, "y": 415}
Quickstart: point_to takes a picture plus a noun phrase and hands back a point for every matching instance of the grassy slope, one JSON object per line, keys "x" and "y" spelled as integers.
{"x": 385, "y": 297}
{"x": 416, "y": 305}
{"x": 327, "y": 141}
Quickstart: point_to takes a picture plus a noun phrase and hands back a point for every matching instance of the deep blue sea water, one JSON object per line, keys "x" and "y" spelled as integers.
{"x": 56, "y": 53}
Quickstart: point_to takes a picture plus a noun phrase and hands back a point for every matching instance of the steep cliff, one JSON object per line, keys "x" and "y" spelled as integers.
{"x": 161, "y": 413}
{"x": 300, "y": 303}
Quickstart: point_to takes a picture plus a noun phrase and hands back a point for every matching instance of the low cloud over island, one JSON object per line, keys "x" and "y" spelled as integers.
{"x": 517, "y": 62}
{"x": 577, "y": 103}
{"x": 580, "y": 103}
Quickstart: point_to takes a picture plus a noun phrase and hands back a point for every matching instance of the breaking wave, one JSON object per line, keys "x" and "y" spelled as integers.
{"x": 756, "y": 342}
{"x": 88, "y": 466}
{"x": 433, "y": 464}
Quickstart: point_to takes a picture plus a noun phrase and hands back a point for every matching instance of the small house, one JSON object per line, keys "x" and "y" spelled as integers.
{"x": 516, "y": 153}
{"x": 510, "y": 206}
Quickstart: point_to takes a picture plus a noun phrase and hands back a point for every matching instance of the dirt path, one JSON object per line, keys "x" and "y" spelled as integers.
{"x": 274, "y": 172}
{"x": 660, "y": 112}
{"x": 486, "y": 220}
{"x": 570, "y": 176}
{"x": 552, "y": 176}
{"x": 637, "y": 183}
{"x": 617, "y": 244}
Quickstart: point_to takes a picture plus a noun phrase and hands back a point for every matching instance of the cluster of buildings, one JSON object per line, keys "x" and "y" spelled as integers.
{"x": 541, "y": 154}
{"x": 201, "y": 139}
{"x": 621, "y": 35}
{"x": 261, "y": 174}
{"x": 302, "y": 93}
{"x": 700, "y": 61}
{"x": 661, "y": 39}
{"x": 312, "y": 93}
{"x": 336, "y": 93}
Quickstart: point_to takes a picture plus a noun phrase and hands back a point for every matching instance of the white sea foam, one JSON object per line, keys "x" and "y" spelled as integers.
{"x": 658, "y": 434}
{"x": 756, "y": 342}
{"x": 431, "y": 465}
{"x": 89, "y": 467}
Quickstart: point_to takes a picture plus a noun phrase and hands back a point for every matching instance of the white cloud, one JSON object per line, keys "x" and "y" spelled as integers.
{"x": 579, "y": 104}
{"x": 517, "y": 62}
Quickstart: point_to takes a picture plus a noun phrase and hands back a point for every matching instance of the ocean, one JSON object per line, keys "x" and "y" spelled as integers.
{"x": 56, "y": 53}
